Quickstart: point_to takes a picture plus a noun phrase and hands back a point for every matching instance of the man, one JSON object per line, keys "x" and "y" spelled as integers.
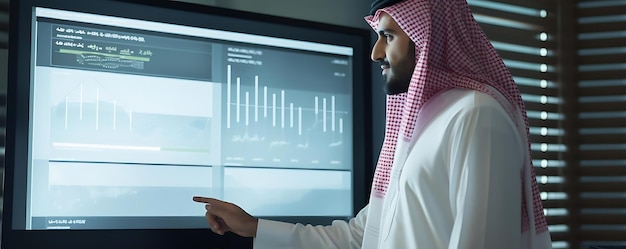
{"x": 455, "y": 168}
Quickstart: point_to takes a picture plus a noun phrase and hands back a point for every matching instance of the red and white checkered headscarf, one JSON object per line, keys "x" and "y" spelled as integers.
{"x": 451, "y": 51}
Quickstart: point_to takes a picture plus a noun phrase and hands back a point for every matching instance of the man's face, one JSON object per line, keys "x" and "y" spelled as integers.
{"x": 396, "y": 53}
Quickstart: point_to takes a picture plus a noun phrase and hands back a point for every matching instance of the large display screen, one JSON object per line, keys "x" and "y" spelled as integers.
{"x": 152, "y": 114}
{"x": 127, "y": 117}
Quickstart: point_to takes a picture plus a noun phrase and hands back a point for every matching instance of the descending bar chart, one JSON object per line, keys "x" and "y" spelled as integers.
{"x": 295, "y": 127}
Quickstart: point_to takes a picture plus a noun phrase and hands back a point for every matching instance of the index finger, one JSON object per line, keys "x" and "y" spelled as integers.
{"x": 207, "y": 200}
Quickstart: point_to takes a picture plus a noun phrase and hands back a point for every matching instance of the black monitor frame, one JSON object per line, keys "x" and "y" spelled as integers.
{"x": 18, "y": 92}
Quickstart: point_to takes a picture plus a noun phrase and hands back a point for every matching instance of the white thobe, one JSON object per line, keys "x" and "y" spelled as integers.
{"x": 455, "y": 184}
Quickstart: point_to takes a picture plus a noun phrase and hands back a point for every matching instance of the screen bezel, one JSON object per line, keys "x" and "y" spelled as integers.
{"x": 18, "y": 92}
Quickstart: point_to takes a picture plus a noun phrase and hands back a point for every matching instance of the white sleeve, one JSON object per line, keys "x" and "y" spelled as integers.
{"x": 487, "y": 153}
{"x": 282, "y": 235}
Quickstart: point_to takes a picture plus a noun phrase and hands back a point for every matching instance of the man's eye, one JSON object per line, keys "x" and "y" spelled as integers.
{"x": 388, "y": 37}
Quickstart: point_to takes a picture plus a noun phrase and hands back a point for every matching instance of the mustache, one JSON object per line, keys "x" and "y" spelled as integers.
{"x": 384, "y": 63}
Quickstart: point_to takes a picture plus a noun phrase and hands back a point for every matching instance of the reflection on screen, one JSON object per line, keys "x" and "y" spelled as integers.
{"x": 130, "y": 119}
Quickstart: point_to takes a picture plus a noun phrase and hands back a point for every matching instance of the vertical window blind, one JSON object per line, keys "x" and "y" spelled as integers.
{"x": 601, "y": 57}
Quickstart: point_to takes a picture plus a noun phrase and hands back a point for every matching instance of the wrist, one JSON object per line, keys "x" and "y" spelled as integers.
{"x": 255, "y": 225}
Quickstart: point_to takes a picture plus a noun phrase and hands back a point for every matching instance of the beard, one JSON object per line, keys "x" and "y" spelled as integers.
{"x": 398, "y": 82}
{"x": 399, "y": 76}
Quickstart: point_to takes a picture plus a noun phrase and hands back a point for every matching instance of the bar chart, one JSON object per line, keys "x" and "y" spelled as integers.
{"x": 265, "y": 124}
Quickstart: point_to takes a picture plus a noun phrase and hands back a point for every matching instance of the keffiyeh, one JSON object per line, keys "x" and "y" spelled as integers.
{"x": 451, "y": 51}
